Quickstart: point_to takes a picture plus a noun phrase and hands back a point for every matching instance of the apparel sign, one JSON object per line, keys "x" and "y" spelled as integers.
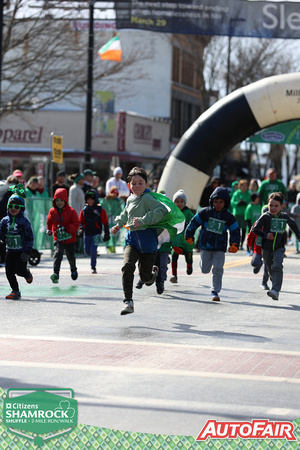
{"x": 39, "y": 412}
{"x": 265, "y": 19}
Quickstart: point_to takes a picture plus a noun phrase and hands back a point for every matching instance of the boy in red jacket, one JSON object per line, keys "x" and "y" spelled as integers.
{"x": 63, "y": 223}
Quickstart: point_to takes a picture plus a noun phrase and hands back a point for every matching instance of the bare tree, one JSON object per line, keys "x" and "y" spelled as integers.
{"x": 254, "y": 59}
{"x": 45, "y": 59}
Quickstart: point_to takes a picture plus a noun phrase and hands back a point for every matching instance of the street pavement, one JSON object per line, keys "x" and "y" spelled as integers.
{"x": 178, "y": 361}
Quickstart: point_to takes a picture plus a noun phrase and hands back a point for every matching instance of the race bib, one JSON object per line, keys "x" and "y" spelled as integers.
{"x": 97, "y": 239}
{"x": 62, "y": 235}
{"x": 14, "y": 242}
{"x": 259, "y": 241}
{"x": 215, "y": 225}
{"x": 278, "y": 225}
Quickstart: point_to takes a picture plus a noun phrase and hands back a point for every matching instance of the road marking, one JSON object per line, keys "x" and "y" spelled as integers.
{"x": 145, "y": 343}
{"x": 190, "y": 406}
{"x": 149, "y": 371}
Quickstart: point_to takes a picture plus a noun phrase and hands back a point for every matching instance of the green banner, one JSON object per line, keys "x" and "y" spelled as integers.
{"x": 283, "y": 133}
{"x": 113, "y": 208}
{"x": 37, "y": 210}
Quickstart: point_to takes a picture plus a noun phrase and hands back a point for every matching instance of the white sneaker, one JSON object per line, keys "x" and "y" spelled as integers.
{"x": 273, "y": 294}
{"x": 265, "y": 287}
{"x": 128, "y": 308}
{"x": 173, "y": 279}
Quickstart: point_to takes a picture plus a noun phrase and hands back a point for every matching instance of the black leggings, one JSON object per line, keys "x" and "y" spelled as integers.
{"x": 15, "y": 266}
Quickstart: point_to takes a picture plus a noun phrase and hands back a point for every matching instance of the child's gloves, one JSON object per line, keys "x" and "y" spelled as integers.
{"x": 106, "y": 237}
{"x": 24, "y": 257}
{"x": 189, "y": 240}
{"x": 178, "y": 250}
{"x": 233, "y": 248}
{"x": 49, "y": 232}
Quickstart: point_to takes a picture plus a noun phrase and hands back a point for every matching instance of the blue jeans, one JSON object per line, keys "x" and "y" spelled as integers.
{"x": 90, "y": 249}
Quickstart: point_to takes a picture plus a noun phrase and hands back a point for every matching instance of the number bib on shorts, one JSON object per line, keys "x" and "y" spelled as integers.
{"x": 63, "y": 235}
{"x": 14, "y": 242}
{"x": 215, "y": 225}
{"x": 97, "y": 239}
{"x": 278, "y": 225}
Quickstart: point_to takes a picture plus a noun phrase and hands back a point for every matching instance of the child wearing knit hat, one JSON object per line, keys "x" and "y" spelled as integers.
{"x": 179, "y": 245}
{"x": 16, "y": 229}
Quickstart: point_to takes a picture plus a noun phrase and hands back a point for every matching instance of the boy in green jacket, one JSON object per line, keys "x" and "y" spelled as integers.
{"x": 141, "y": 213}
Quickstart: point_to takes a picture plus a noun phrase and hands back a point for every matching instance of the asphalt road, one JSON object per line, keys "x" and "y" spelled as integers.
{"x": 178, "y": 361}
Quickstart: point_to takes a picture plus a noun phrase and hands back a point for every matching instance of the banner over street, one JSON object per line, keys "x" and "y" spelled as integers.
{"x": 265, "y": 19}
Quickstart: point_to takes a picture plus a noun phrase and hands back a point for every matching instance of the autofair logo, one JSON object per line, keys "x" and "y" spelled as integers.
{"x": 256, "y": 429}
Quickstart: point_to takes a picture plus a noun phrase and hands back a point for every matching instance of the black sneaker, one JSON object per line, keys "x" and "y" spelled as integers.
{"x": 189, "y": 270}
{"x": 139, "y": 285}
{"x": 14, "y": 295}
{"x": 160, "y": 287}
{"x": 74, "y": 275}
{"x": 94, "y": 270}
{"x": 155, "y": 270}
{"x": 29, "y": 277}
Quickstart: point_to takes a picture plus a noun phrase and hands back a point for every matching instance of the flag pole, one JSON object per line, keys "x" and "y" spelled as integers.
{"x": 89, "y": 97}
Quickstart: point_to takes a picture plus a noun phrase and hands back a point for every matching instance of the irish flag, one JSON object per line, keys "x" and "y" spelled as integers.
{"x": 111, "y": 50}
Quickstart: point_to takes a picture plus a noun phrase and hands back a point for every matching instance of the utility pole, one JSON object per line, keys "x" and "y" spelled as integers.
{"x": 89, "y": 97}
{"x": 1, "y": 40}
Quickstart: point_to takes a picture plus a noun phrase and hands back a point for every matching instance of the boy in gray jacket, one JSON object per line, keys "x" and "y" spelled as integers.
{"x": 271, "y": 227}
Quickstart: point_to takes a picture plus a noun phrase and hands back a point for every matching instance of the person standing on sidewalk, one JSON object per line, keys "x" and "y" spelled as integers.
{"x": 271, "y": 228}
{"x": 16, "y": 229}
{"x": 63, "y": 223}
{"x": 142, "y": 212}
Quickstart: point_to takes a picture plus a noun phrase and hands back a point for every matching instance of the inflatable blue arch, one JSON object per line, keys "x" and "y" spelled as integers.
{"x": 229, "y": 121}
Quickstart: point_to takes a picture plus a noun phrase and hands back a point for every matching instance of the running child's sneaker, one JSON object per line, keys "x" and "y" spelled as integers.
{"x": 160, "y": 287}
{"x": 155, "y": 270}
{"x": 173, "y": 279}
{"x": 128, "y": 308}
{"x": 14, "y": 295}
{"x": 139, "y": 285}
{"x": 189, "y": 269}
{"x": 29, "y": 277}
{"x": 273, "y": 294}
{"x": 264, "y": 286}
{"x": 74, "y": 275}
{"x": 54, "y": 278}
{"x": 215, "y": 297}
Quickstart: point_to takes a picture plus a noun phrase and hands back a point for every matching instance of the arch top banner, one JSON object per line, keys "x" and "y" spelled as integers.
{"x": 244, "y": 18}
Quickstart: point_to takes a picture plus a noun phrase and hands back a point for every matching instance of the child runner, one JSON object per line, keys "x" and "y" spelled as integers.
{"x": 17, "y": 231}
{"x": 252, "y": 213}
{"x": 63, "y": 223}
{"x": 254, "y": 242}
{"x": 296, "y": 213}
{"x": 271, "y": 227}
{"x": 215, "y": 220}
{"x": 142, "y": 210}
{"x": 179, "y": 245}
{"x": 92, "y": 219}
